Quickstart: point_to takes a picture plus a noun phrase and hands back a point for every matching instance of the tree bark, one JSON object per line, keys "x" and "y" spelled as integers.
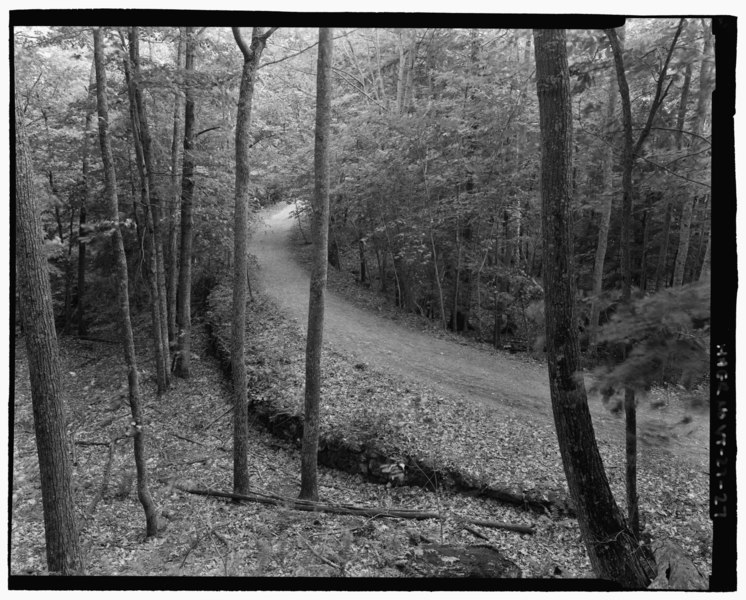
{"x": 161, "y": 358}
{"x": 153, "y": 200}
{"x": 607, "y": 201}
{"x": 183, "y": 310}
{"x": 628, "y": 158}
{"x": 612, "y": 548}
{"x": 251, "y": 56}
{"x": 630, "y": 152}
{"x": 701, "y": 120}
{"x": 128, "y": 340}
{"x": 684, "y": 237}
{"x": 35, "y": 295}
{"x": 646, "y": 218}
{"x": 86, "y": 200}
{"x": 320, "y": 230}
{"x": 704, "y": 274}
{"x": 172, "y": 263}
{"x": 660, "y": 272}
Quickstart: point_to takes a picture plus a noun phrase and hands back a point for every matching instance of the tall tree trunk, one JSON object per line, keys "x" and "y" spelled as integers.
{"x": 154, "y": 201}
{"x": 128, "y": 339}
{"x": 146, "y": 232}
{"x": 631, "y": 151}
{"x": 628, "y": 158}
{"x": 701, "y": 122}
{"x": 497, "y": 333}
{"x": 436, "y": 274}
{"x": 309, "y": 489}
{"x": 35, "y": 299}
{"x": 69, "y": 276}
{"x": 607, "y": 200}
{"x": 85, "y": 202}
{"x": 251, "y": 56}
{"x": 612, "y": 548}
{"x": 704, "y": 274}
{"x": 401, "y": 81}
{"x": 660, "y": 271}
{"x": 684, "y": 237}
{"x": 183, "y": 310}
{"x": 172, "y": 264}
{"x": 683, "y": 102}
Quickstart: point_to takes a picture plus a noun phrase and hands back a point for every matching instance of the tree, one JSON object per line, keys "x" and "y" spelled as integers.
{"x": 251, "y": 57}
{"x": 319, "y": 232}
{"x": 704, "y": 102}
{"x": 605, "y": 213}
{"x": 154, "y": 204}
{"x": 630, "y": 152}
{"x": 183, "y": 309}
{"x": 613, "y": 550}
{"x": 85, "y": 201}
{"x": 140, "y": 139}
{"x": 128, "y": 339}
{"x": 172, "y": 263}
{"x": 60, "y": 522}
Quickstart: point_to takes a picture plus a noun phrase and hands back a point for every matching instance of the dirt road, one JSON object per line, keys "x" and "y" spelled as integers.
{"x": 501, "y": 382}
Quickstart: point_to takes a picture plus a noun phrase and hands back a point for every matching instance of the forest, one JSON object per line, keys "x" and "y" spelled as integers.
{"x": 402, "y": 304}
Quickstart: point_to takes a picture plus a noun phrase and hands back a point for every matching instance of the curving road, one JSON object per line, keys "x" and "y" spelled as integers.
{"x": 500, "y": 381}
{"x": 451, "y": 368}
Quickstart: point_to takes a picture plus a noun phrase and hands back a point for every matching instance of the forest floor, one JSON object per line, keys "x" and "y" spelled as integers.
{"x": 189, "y": 443}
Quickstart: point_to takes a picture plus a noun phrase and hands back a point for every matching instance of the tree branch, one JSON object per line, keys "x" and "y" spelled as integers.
{"x": 245, "y": 50}
{"x": 310, "y": 506}
{"x": 263, "y": 37}
{"x": 206, "y": 130}
{"x": 659, "y": 95}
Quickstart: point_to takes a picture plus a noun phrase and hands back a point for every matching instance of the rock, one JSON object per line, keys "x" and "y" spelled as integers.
{"x": 440, "y": 560}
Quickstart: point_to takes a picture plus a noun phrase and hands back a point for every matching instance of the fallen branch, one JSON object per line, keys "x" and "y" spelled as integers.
{"x": 319, "y": 555}
{"x": 476, "y": 533}
{"x": 211, "y": 423}
{"x": 307, "y": 505}
{"x": 186, "y": 439}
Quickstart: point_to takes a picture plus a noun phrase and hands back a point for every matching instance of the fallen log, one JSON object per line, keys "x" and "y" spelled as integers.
{"x": 309, "y": 506}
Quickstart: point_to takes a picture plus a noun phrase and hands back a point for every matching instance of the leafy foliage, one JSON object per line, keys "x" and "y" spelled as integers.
{"x": 667, "y": 336}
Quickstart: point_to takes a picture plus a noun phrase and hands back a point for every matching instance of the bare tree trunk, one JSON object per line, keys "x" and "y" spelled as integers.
{"x": 128, "y": 339}
{"x": 161, "y": 358}
{"x": 35, "y": 298}
{"x": 631, "y": 150}
{"x": 172, "y": 264}
{"x": 660, "y": 272}
{"x": 612, "y": 548}
{"x": 704, "y": 274}
{"x": 251, "y": 56}
{"x": 607, "y": 199}
{"x": 86, "y": 200}
{"x": 401, "y": 81}
{"x": 154, "y": 202}
{"x": 684, "y": 237}
{"x": 436, "y": 272}
{"x": 184, "y": 304}
{"x": 701, "y": 122}
{"x": 646, "y": 218}
{"x": 320, "y": 225}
